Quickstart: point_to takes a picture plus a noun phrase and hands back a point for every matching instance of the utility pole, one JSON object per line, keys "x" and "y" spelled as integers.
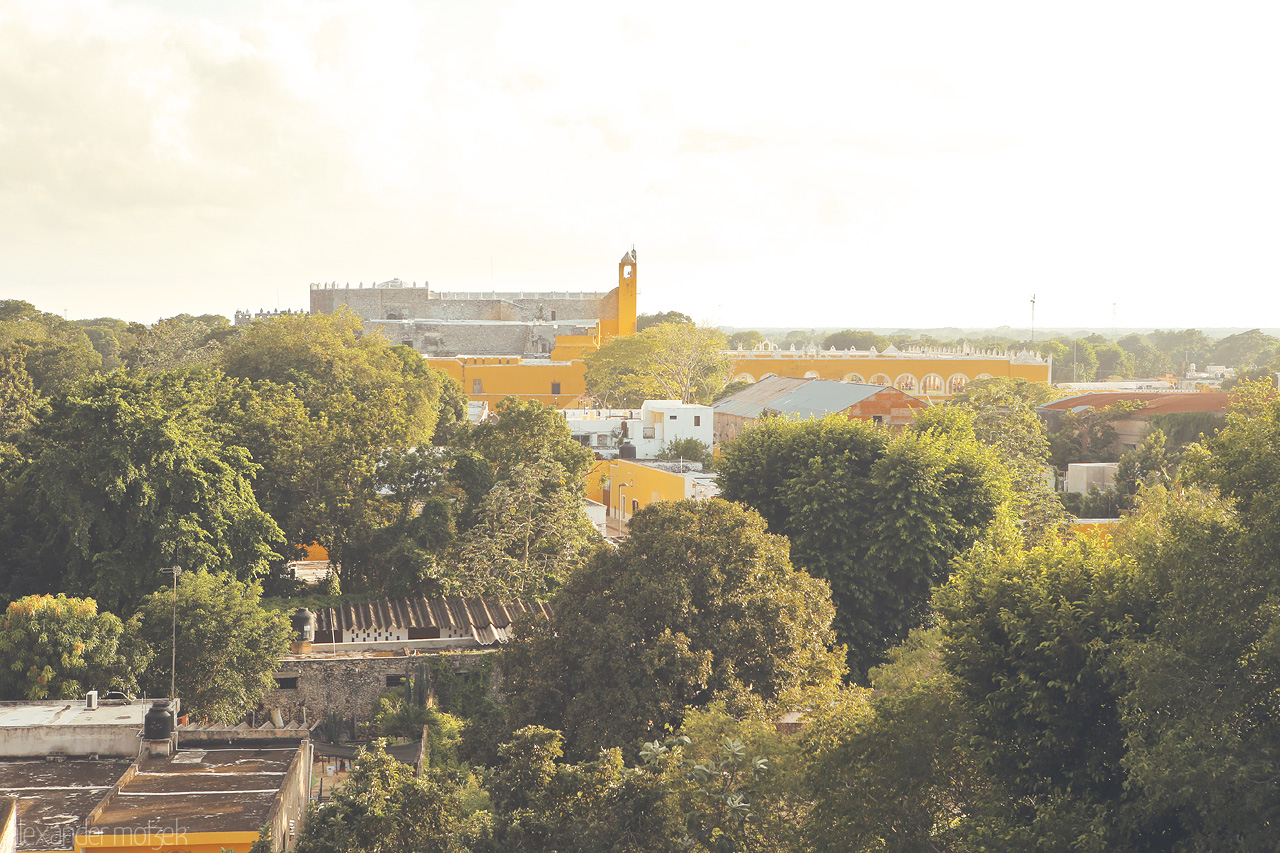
{"x": 173, "y": 655}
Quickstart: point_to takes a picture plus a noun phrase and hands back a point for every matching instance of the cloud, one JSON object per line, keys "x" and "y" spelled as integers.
{"x": 159, "y": 157}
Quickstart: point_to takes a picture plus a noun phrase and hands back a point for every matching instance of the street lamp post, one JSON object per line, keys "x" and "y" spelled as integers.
{"x": 622, "y": 513}
{"x": 173, "y": 657}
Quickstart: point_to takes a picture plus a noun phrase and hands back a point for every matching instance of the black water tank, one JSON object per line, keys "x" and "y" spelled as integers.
{"x": 158, "y": 724}
{"x": 304, "y": 625}
{"x": 626, "y": 450}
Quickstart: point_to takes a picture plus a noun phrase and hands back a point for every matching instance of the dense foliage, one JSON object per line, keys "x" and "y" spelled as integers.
{"x": 698, "y": 603}
{"x": 877, "y": 515}
{"x": 56, "y": 647}
{"x": 228, "y": 645}
{"x": 669, "y": 361}
{"x": 127, "y": 475}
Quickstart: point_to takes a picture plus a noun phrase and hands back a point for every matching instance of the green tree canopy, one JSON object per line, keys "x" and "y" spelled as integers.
{"x": 383, "y": 808}
{"x": 228, "y": 645}
{"x": 532, "y": 532}
{"x": 360, "y": 397}
{"x": 1031, "y": 637}
{"x": 699, "y": 602}
{"x": 644, "y": 321}
{"x": 878, "y": 516}
{"x": 849, "y": 339}
{"x": 56, "y": 647}
{"x": 57, "y": 353}
{"x": 669, "y": 361}
{"x": 1005, "y": 418}
{"x": 18, "y": 400}
{"x": 128, "y": 475}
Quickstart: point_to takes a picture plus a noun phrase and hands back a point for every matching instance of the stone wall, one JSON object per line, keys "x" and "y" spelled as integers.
{"x": 415, "y": 303}
{"x": 345, "y": 685}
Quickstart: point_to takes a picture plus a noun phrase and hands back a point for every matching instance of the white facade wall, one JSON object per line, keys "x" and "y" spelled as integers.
{"x": 1082, "y": 475}
{"x": 665, "y": 421}
{"x": 650, "y": 429}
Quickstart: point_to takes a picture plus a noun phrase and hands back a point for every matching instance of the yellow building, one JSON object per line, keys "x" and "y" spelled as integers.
{"x": 559, "y": 384}
{"x": 626, "y": 486}
{"x": 926, "y": 373}
{"x": 560, "y": 379}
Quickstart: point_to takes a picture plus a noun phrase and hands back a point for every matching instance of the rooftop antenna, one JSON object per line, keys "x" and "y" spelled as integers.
{"x": 1033, "y": 321}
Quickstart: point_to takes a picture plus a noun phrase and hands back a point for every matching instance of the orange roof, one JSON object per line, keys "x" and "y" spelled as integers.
{"x": 1157, "y": 402}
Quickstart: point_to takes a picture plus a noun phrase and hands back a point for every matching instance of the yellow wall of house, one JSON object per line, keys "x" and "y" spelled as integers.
{"x": 502, "y": 376}
{"x": 898, "y": 371}
{"x": 647, "y": 485}
{"x": 168, "y": 842}
{"x": 511, "y": 376}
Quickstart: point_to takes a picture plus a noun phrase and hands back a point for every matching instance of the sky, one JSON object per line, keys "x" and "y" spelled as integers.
{"x": 832, "y": 164}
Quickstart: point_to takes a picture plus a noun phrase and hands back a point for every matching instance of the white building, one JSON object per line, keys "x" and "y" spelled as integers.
{"x": 1082, "y": 475}
{"x": 649, "y": 429}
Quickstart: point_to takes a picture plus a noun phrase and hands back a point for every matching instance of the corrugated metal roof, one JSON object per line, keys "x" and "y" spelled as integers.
{"x": 801, "y": 398}
{"x": 820, "y": 397}
{"x": 750, "y": 401}
{"x": 482, "y": 616}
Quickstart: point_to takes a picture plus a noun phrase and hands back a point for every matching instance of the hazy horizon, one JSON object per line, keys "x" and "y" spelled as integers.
{"x": 918, "y": 164}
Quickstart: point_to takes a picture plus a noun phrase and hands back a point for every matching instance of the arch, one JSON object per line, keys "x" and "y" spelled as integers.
{"x": 745, "y": 377}
{"x": 880, "y": 379}
{"x": 931, "y": 384}
{"x": 905, "y": 382}
{"x": 811, "y": 374}
{"x": 982, "y": 376}
{"x": 767, "y": 376}
{"x": 855, "y": 378}
{"x": 956, "y": 383}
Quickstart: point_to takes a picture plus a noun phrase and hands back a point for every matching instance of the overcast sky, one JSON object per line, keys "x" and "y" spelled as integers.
{"x": 860, "y": 164}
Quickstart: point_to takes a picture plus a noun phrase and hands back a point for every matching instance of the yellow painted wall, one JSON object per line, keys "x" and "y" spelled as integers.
{"x": 647, "y": 485}
{"x": 502, "y": 376}
{"x": 858, "y": 367}
{"x": 511, "y": 376}
{"x": 573, "y": 347}
{"x": 168, "y": 842}
{"x": 625, "y": 322}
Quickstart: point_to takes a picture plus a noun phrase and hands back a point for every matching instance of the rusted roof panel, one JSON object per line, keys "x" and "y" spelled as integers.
{"x": 448, "y": 613}
{"x": 1156, "y": 402}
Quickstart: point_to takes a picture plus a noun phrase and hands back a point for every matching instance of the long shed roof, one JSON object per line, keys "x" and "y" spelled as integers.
{"x": 800, "y": 398}
{"x": 488, "y": 618}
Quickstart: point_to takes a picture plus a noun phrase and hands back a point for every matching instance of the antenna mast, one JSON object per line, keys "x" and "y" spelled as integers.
{"x": 1033, "y": 321}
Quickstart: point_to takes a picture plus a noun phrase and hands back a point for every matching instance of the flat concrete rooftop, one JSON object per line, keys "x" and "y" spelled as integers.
{"x": 199, "y": 790}
{"x": 54, "y": 798}
{"x": 72, "y": 712}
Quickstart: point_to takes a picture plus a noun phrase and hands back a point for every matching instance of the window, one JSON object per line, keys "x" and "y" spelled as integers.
{"x": 635, "y": 505}
{"x": 395, "y": 680}
{"x": 553, "y": 316}
{"x": 697, "y": 420}
{"x": 409, "y": 344}
{"x": 555, "y": 387}
{"x": 878, "y": 419}
{"x": 290, "y": 683}
{"x": 671, "y": 417}
{"x": 477, "y": 387}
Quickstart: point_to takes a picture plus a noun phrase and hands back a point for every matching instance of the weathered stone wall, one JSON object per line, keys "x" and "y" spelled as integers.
{"x": 348, "y": 686}
{"x": 415, "y": 303}
{"x": 447, "y": 339}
